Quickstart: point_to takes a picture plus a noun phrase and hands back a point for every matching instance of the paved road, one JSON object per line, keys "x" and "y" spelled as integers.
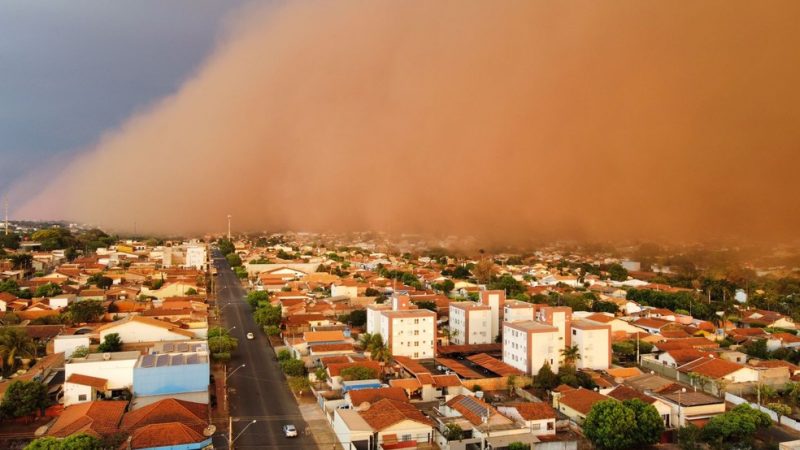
{"x": 257, "y": 391}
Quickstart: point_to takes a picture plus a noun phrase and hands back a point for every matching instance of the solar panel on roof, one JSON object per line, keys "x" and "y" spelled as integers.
{"x": 192, "y": 359}
{"x": 147, "y": 360}
{"x": 169, "y": 347}
{"x": 178, "y": 360}
{"x": 162, "y": 360}
{"x": 473, "y": 406}
{"x": 183, "y": 347}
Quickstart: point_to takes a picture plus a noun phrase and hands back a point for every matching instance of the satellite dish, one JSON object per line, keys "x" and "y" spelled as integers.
{"x": 106, "y": 356}
{"x": 40, "y": 431}
{"x": 209, "y": 430}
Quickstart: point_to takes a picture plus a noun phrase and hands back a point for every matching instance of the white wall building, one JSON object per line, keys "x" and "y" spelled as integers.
{"x": 406, "y": 330}
{"x": 470, "y": 323}
{"x": 495, "y": 300}
{"x": 528, "y": 345}
{"x": 116, "y": 367}
{"x": 593, "y": 340}
{"x": 516, "y": 311}
{"x": 196, "y": 256}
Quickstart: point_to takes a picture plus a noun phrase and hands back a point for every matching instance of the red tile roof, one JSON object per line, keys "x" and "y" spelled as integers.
{"x": 581, "y": 400}
{"x": 164, "y": 435}
{"x": 192, "y": 414}
{"x": 99, "y": 418}
{"x": 85, "y": 380}
{"x": 495, "y": 365}
{"x": 535, "y": 410}
{"x": 359, "y": 396}
{"x": 388, "y": 412}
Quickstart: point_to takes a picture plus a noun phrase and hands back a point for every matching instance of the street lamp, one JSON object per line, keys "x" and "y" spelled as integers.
{"x": 234, "y": 371}
{"x": 231, "y": 328}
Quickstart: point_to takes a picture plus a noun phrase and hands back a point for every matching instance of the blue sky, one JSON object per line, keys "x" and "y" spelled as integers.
{"x": 72, "y": 69}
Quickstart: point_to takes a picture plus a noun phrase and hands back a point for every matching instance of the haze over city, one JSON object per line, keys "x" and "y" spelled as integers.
{"x": 598, "y": 121}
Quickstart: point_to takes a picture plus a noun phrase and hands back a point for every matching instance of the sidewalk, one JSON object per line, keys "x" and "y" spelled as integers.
{"x": 319, "y": 427}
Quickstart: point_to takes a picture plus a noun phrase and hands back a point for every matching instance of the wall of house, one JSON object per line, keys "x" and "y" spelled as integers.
{"x": 344, "y": 435}
{"x": 349, "y": 291}
{"x": 515, "y": 348}
{"x": 133, "y": 332}
{"x": 408, "y": 430}
{"x": 458, "y": 325}
{"x": 69, "y": 343}
{"x": 413, "y": 337}
{"x": 517, "y": 314}
{"x": 72, "y": 393}
{"x": 119, "y": 373}
{"x": 170, "y": 379}
{"x": 480, "y": 327}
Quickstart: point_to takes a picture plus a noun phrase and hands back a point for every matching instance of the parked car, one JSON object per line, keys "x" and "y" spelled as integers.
{"x": 289, "y": 430}
{"x": 251, "y": 336}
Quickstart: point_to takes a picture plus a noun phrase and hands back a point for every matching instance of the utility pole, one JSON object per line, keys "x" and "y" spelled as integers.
{"x": 229, "y": 227}
{"x": 230, "y": 431}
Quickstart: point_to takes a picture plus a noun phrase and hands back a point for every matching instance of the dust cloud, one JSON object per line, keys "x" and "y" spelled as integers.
{"x": 504, "y": 119}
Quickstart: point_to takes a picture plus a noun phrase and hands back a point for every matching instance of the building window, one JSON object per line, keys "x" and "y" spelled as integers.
{"x": 406, "y": 437}
{"x": 82, "y": 398}
{"x": 536, "y": 426}
{"x": 574, "y": 332}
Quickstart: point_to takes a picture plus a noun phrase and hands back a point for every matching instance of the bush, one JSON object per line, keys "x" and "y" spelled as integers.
{"x": 111, "y": 343}
{"x": 358, "y": 373}
{"x": 24, "y": 398}
{"x": 272, "y": 330}
{"x": 284, "y": 355}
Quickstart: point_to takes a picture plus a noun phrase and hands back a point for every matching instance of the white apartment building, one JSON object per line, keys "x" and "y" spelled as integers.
{"x": 495, "y": 300}
{"x": 470, "y": 323}
{"x": 516, "y": 311}
{"x": 196, "y": 256}
{"x": 406, "y": 330}
{"x": 593, "y": 340}
{"x": 559, "y": 317}
{"x": 528, "y": 345}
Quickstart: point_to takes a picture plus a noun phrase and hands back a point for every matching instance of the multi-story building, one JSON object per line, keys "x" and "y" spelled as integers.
{"x": 196, "y": 257}
{"x": 470, "y": 323}
{"x": 528, "y": 345}
{"x": 593, "y": 340}
{"x": 495, "y": 300}
{"x": 559, "y": 317}
{"x": 516, "y": 311}
{"x": 406, "y": 330}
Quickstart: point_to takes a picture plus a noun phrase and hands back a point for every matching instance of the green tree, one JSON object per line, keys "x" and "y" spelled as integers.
{"x": 571, "y": 355}
{"x": 111, "y": 343}
{"x": 508, "y": 284}
{"x": 519, "y": 446}
{"x": 689, "y": 437}
{"x": 546, "y": 378}
{"x": 233, "y": 259}
{"x": 609, "y": 425}
{"x": 10, "y": 240}
{"x": 298, "y": 384}
{"x": 453, "y": 432}
{"x": 24, "y": 398}
{"x": 80, "y": 352}
{"x": 45, "y": 443}
{"x": 85, "y": 311}
{"x": 358, "y": 373}
{"x": 272, "y": 330}
{"x": 757, "y": 348}
{"x": 48, "y": 290}
{"x": 191, "y": 291}
{"x": 739, "y": 425}
{"x": 15, "y": 343}
{"x": 649, "y": 424}
{"x": 268, "y": 315}
{"x": 358, "y": 317}
{"x": 293, "y": 367}
{"x": 255, "y": 298}
{"x": 284, "y": 355}
{"x": 81, "y": 442}
{"x": 321, "y": 374}
{"x": 225, "y": 246}
{"x": 617, "y": 272}
{"x": 607, "y": 307}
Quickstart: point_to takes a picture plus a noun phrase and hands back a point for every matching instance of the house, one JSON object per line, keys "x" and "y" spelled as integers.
{"x": 720, "y": 372}
{"x": 387, "y": 421}
{"x": 135, "y": 329}
{"x": 539, "y": 417}
{"x": 178, "y": 370}
{"x": 470, "y": 323}
{"x": 358, "y": 397}
{"x": 623, "y": 393}
{"x": 528, "y": 345}
{"x": 487, "y": 422}
{"x": 651, "y": 325}
{"x": 80, "y": 388}
{"x": 576, "y": 403}
{"x": 116, "y": 368}
{"x": 692, "y": 407}
{"x": 765, "y": 319}
{"x": 100, "y": 419}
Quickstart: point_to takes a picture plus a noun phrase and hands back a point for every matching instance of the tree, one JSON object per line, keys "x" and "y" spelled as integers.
{"x": 546, "y": 378}
{"x": 430, "y": 306}
{"x": 484, "y": 271}
{"x": 518, "y": 446}
{"x": 649, "y": 424}
{"x": 47, "y": 290}
{"x": 293, "y": 367}
{"x": 272, "y": 330}
{"x": 358, "y": 317}
{"x": 298, "y": 384}
{"x": 222, "y": 345}
{"x": 689, "y": 437}
{"x": 268, "y": 315}
{"x": 607, "y": 307}
{"x": 780, "y": 409}
{"x": 45, "y": 443}
{"x": 23, "y": 398}
{"x": 609, "y": 425}
{"x": 508, "y": 284}
{"x": 15, "y": 343}
{"x": 617, "y": 272}
{"x": 81, "y": 442}
{"x": 461, "y": 273}
{"x": 233, "y": 259}
{"x": 191, "y": 291}
{"x": 446, "y": 286}
{"x": 85, "y": 311}
{"x": 571, "y": 355}
{"x": 453, "y": 432}
{"x": 101, "y": 281}
{"x": 739, "y": 425}
{"x": 757, "y": 348}
{"x": 358, "y": 373}
{"x": 255, "y": 298}
{"x": 321, "y": 374}
{"x": 226, "y": 247}
{"x": 284, "y": 355}
{"x": 111, "y": 343}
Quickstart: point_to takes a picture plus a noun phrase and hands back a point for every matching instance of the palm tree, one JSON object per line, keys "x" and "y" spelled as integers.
{"x": 364, "y": 340}
{"x": 15, "y": 343}
{"x": 571, "y": 355}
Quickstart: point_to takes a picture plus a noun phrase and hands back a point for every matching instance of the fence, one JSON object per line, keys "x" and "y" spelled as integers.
{"x": 783, "y": 420}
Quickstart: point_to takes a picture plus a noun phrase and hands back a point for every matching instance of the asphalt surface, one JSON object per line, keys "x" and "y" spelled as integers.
{"x": 257, "y": 391}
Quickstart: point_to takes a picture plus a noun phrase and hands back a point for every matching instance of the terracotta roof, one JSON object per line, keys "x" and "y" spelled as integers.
{"x": 326, "y": 360}
{"x": 711, "y": 367}
{"x": 164, "y": 435}
{"x": 409, "y": 384}
{"x": 323, "y": 336}
{"x": 472, "y": 408}
{"x": 410, "y": 365}
{"x": 623, "y": 393}
{"x": 85, "y": 380}
{"x": 168, "y": 410}
{"x": 651, "y": 323}
{"x": 331, "y": 348}
{"x": 359, "y": 396}
{"x": 147, "y": 321}
{"x": 388, "y": 412}
{"x": 624, "y": 372}
{"x": 462, "y": 370}
{"x": 446, "y": 380}
{"x": 534, "y": 410}
{"x": 581, "y": 400}
{"x": 495, "y": 365}
{"x": 471, "y": 349}
{"x": 696, "y": 342}
{"x": 685, "y": 355}
{"x": 99, "y": 418}
{"x": 335, "y": 369}
{"x": 602, "y": 318}
{"x": 561, "y": 388}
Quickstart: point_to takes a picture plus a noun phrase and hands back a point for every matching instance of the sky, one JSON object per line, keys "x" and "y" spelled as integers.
{"x": 72, "y": 69}
{"x": 589, "y": 120}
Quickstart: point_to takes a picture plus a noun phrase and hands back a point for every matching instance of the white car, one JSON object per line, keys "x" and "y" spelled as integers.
{"x": 251, "y": 336}
{"x": 290, "y": 431}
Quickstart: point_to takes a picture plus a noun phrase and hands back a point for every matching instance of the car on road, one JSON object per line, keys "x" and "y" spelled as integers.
{"x": 251, "y": 336}
{"x": 289, "y": 430}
